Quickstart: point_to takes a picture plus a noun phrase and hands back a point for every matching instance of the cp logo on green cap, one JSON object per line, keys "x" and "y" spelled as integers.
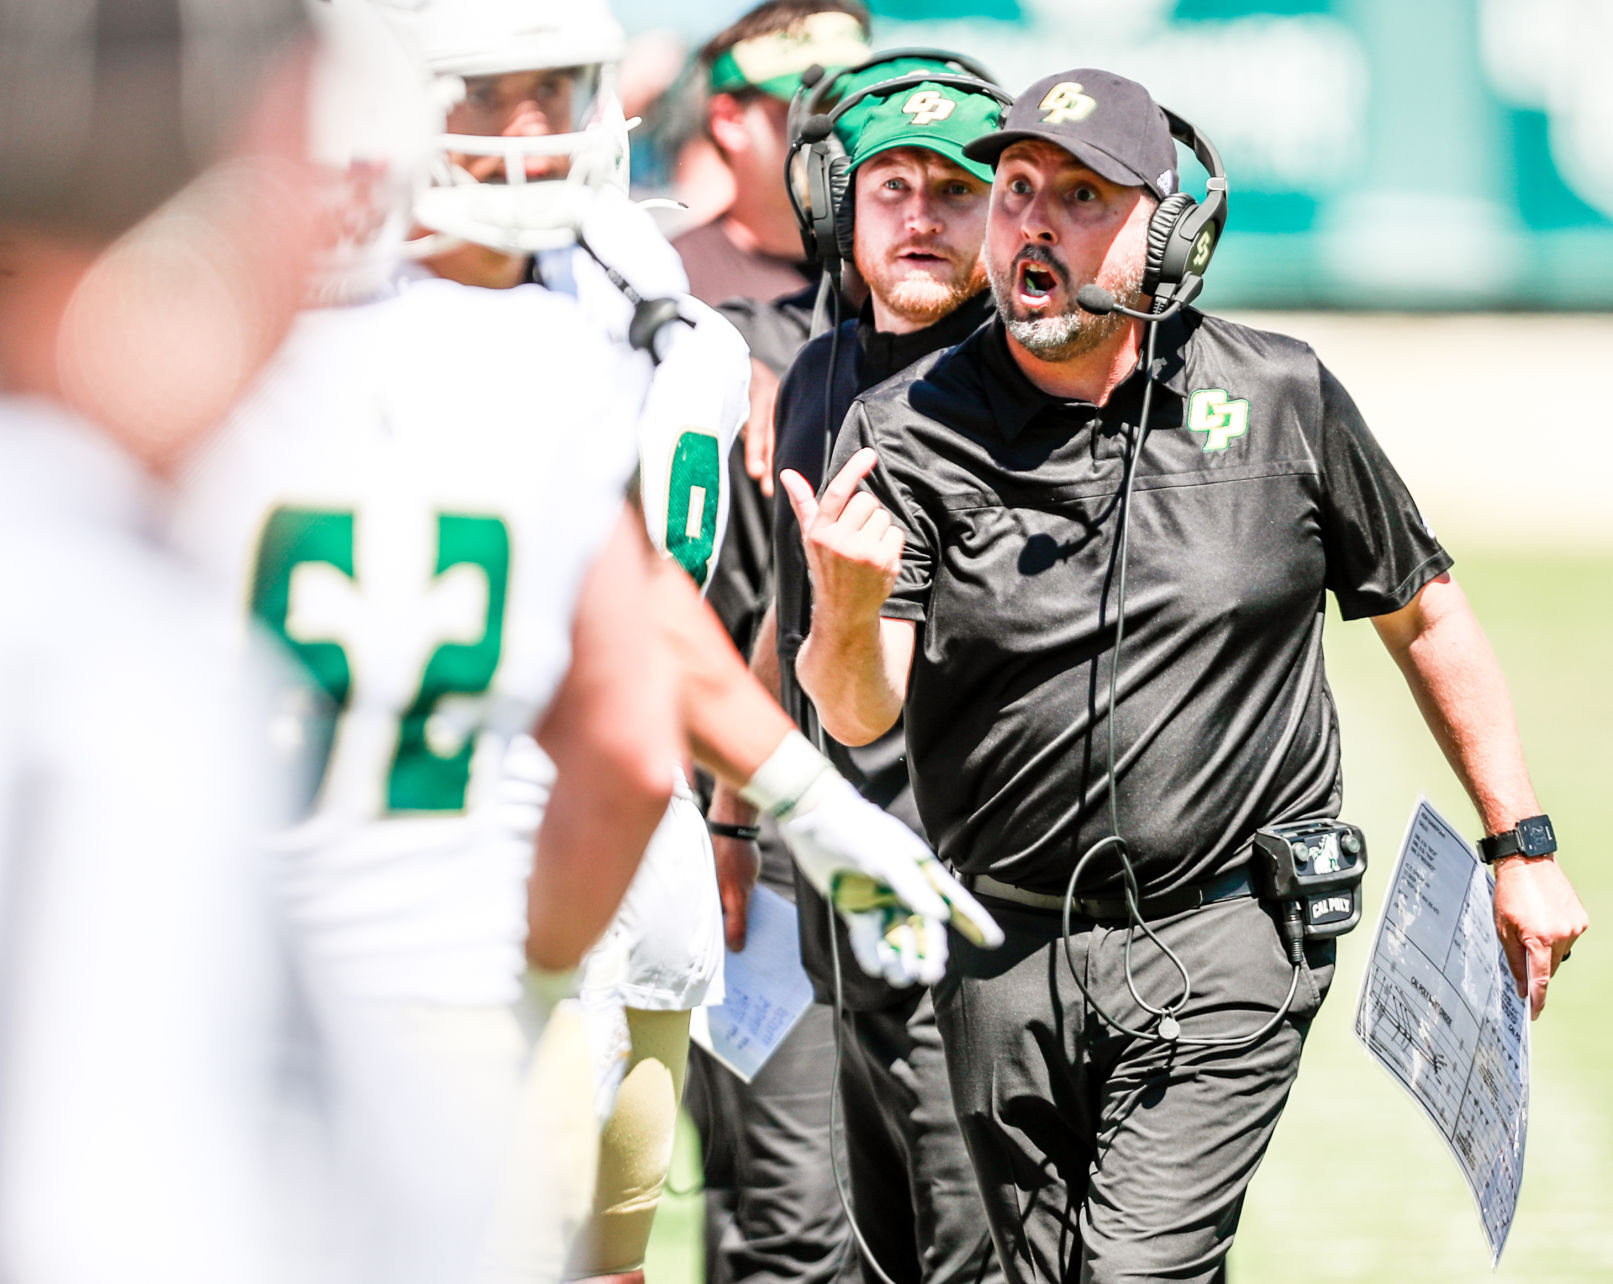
{"x": 929, "y": 106}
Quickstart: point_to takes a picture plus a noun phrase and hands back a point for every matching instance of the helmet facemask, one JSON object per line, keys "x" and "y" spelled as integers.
{"x": 535, "y": 126}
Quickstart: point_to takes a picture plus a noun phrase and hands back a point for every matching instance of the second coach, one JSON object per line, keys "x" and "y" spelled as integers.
{"x": 1096, "y": 583}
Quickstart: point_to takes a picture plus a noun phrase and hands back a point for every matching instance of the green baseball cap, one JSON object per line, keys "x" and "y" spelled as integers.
{"x": 773, "y": 63}
{"x": 943, "y": 118}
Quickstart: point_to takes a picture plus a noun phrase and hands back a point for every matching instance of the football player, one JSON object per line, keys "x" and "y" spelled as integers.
{"x": 151, "y": 258}
{"x": 536, "y": 147}
{"x": 454, "y": 565}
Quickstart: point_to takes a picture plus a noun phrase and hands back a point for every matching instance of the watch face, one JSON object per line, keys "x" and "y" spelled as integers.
{"x": 1536, "y": 836}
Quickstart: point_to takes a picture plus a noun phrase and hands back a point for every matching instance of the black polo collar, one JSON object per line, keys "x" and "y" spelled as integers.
{"x": 884, "y": 354}
{"x": 1015, "y": 400}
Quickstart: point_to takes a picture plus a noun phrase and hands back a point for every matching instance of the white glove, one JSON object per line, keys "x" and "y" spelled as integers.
{"x": 881, "y": 878}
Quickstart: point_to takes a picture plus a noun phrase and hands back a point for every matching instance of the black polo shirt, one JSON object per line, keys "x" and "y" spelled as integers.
{"x": 811, "y": 406}
{"x": 1258, "y": 487}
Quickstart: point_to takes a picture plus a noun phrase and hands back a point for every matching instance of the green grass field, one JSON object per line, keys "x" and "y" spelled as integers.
{"x": 1358, "y": 1186}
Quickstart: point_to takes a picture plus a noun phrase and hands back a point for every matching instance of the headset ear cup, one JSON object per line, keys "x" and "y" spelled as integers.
{"x": 797, "y": 175}
{"x": 825, "y": 167}
{"x": 1161, "y": 227}
{"x": 819, "y": 225}
{"x": 843, "y": 205}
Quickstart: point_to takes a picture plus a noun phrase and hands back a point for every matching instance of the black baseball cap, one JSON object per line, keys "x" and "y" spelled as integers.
{"x": 1110, "y": 124}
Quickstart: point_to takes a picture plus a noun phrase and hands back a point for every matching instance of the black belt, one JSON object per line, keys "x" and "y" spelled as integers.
{"x": 1223, "y": 887}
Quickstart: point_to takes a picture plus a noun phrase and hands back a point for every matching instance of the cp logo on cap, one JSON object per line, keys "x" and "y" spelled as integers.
{"x": 1065, "y": 104}
{"x": 926, "y": 107}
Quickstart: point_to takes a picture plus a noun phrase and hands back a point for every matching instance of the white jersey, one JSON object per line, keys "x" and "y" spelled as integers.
{"x": 698, "y": 401}
{"x": 140, "y": 1007}
{"x": 664, "y": 949}
{"x": 410, "y": 499}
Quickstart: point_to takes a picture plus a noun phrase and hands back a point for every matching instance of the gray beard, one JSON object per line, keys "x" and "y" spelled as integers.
{"x": 1072, "y": 333}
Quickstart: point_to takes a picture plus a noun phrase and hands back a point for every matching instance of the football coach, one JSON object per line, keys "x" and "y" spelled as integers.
{"x": 1087, "y": 553}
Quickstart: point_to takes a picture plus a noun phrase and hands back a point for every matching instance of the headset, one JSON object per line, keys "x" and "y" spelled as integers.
{"x": 817, "y": 170}
{"x": 1182, "y": 236}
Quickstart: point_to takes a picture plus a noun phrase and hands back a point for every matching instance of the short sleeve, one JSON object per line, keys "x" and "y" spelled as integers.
{"x": 909, "y": 600}
{"x": 1380, "y": 551}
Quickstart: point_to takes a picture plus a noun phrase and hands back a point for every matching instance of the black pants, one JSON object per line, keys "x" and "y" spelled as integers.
{"x": 912, "y": 1188}
{"x": 1101, "y": 1158}
{"x": 772, "y": 1213}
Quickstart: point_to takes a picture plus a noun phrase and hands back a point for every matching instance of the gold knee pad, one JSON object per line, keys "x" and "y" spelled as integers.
{"x": 635, "y": 1147}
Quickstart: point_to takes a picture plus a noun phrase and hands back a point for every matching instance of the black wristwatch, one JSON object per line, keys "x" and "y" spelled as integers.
{"x": 1532, "y": 837}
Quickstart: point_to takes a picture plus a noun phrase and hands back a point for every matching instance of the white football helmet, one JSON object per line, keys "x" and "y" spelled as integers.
{"x": 373, "y": 128}
{"x": 525, "y": 157}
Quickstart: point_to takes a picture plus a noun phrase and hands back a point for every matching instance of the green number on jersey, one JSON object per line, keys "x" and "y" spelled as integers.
{"x": 294, "y": 537}
{"x": 419, "y": 778}
{"x": 691, "y": 506}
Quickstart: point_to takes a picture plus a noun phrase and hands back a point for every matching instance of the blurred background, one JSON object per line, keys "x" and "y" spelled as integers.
{"x": 1441, "y": 153}
{"x": 1423, "y": 190}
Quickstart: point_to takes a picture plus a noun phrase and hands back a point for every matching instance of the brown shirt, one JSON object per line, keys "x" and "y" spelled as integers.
{"x": 718, "y": 269}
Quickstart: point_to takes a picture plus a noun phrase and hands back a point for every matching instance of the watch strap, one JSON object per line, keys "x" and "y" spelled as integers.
{"x": 1532, "y": 836}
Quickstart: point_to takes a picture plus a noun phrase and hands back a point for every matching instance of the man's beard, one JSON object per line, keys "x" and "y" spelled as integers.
{"x": 921, "y": 299}
{"x": 1072, "y": 332}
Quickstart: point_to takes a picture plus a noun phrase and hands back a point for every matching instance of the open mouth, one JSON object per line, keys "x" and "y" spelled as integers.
{"x": 1036, "y": 284}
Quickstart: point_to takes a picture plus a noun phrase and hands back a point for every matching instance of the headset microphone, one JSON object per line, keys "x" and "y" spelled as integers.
{"x": 1098, "y": 301}
{"x": 815, "y": 129}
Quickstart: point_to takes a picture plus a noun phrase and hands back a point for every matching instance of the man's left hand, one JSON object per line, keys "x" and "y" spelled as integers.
{"x": 1538, "y": 918}
{"x": 739, "y": 861}
{"x": 759, "y": 427}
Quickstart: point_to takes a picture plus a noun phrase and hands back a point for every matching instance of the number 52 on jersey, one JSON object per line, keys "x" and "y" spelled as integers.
{"x": 404, "y": 659}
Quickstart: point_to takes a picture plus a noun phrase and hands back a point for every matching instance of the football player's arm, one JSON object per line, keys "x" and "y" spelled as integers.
{"x": 758, "y": 431}
{"x": 854, "y": 663}
{"x": 1458, "y": 685}
{"x": 881, "y": 877}
{"x": 611, "y": 732}
{"x": 730, "y": 721}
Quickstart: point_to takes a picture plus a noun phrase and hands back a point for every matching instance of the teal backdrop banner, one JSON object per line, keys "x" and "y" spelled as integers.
{"x": 1382, "y": 153}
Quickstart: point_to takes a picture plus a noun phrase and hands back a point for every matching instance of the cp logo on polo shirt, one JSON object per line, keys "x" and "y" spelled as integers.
{"x": 1209, "y": 412}
{"x": 927, "y": 106}
{"x": 1066, "y": 103}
